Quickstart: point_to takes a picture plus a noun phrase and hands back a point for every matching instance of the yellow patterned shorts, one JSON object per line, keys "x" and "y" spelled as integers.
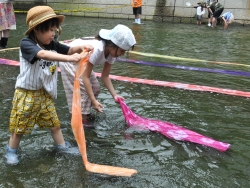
{"x": 30, "y": 108}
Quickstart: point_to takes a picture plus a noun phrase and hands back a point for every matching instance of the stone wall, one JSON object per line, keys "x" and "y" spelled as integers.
{"x": 157, "y": 10}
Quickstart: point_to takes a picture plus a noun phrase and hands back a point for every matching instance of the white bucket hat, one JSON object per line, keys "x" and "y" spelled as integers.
{"x": 120, "y": 35}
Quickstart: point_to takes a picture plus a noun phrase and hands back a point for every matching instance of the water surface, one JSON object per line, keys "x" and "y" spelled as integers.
{"x": 160, "y": 162}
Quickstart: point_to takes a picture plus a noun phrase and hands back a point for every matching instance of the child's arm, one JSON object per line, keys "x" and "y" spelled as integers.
{"x": 73, "y": 54}
{"x": 79, "y": 49}
{"x": 225, "y": 22}
{"x": 52, "y": 56}
{"x": 88, "y": 87}
{"x": 203, "y": 12}
{"x": 107, "y": 81}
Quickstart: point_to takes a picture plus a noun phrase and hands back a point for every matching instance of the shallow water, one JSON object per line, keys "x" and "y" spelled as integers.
{"x": 160, "y": 162}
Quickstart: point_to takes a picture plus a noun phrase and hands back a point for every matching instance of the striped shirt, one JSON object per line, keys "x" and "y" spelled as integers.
{"x": 37, "y": 73}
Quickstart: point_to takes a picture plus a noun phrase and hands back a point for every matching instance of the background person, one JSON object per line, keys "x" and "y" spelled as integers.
{"x": 200, "y": 11}
{"x": 227, "y": 18}
{"x": 218, "y": 9}
{"x": 7, "y": 21}
{"x": 137, "y": 10}
{"x": 209, "y": 20}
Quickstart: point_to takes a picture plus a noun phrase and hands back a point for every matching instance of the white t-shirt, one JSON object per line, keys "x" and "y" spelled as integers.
{"x": 97, "y": 57}
{"x": 199, "y": 12}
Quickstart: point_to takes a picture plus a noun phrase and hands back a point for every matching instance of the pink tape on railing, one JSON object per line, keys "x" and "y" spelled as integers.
{"x": 170, "y": 130}
{"x": 191, "y": 87}
{"x": 159, "y": 83}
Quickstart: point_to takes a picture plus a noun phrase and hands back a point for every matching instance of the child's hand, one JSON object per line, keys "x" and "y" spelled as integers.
{"x": 74, "y": 57}
{"x": 88, "y": 47}
{"x": 97, "y": 106}
{"x": 117, "y": 97}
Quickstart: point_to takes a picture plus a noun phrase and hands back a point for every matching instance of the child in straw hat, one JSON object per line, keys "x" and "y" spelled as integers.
{"x": 36, "y": 85}
{"x": 108, "y": 45}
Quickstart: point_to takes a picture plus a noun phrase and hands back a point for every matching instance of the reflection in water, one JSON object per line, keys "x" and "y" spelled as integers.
{"x": 137, "y": 30}
{"x": 160, "y": 162}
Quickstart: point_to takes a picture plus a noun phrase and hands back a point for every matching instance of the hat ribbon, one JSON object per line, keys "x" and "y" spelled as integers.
{"x": 32, "y": 23}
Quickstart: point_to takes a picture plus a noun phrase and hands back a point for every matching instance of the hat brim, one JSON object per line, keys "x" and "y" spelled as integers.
{"x": 105, "y": 34}
{"x": 59, "y": 17}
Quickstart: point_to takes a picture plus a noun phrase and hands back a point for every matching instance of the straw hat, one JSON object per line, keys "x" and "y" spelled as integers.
{"x": 39, "y": 14}
{"x": 120, "y": 35}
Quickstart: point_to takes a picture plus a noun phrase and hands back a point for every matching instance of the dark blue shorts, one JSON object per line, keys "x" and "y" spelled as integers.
{"x": 199, "y": 17}
{"x": 137, "y": 10}
{"x": 218, "y": 12}
{"x": 209, "y": 14}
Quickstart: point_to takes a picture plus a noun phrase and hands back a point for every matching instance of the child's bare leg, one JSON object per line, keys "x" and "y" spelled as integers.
{"x": 15, "y": 140}
{"x": 57, "y": 135}
{"x": 214, "y": 21}
{"x": 61, "y": 144}
{"x": 11, "y": 154}
{"x": 209, "y": 21}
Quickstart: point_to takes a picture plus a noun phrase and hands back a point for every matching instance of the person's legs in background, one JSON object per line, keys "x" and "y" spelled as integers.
{"x": 137, "y": 18}
{"x": 209, "y": 20}
{"x": 7, "y": 22}
{"x": 199, "y": 19}
{"x": 137, "y": 12}
{"x": 4, "y": 38}
{"x": 138, "y": 15}
{"x": 216, "y": 15}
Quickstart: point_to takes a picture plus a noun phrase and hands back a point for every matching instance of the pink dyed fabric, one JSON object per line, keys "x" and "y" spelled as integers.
{"x": 170, "y": 130}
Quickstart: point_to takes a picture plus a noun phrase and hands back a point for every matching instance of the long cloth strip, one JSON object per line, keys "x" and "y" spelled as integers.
{"x": 169, "y": 130}
{"x": 178, "y": 85}
{"x": 155, "y": 64}
{"x": 78, "y": 130}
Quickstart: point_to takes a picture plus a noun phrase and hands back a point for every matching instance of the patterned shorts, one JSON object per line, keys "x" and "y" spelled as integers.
{"x": 30, "y": 108}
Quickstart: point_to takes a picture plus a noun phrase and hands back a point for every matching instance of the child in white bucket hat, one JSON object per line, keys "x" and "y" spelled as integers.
{"x": 121, "y": 36}
{"x": 36, "y": 85}
{"x": 108, "y": 45}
